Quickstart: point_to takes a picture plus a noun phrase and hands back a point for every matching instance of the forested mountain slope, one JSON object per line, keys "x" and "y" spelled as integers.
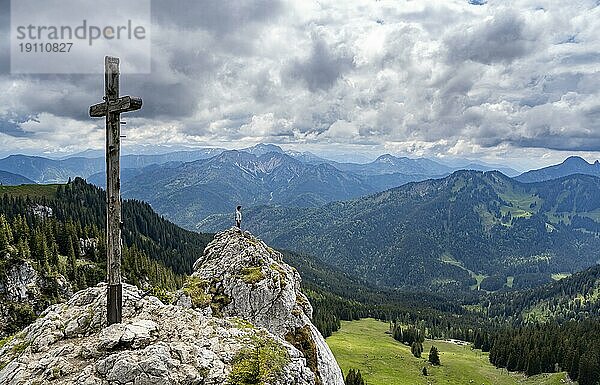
{"x": 10, "y": 179}
{"x": 189, "y": 192}
{"x": 576, "y": 297}
{"x": 52, "y": 243}
{"x": 446, "y": 233}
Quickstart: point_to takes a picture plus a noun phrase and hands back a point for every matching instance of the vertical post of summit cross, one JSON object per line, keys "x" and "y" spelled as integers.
{"x": 111, "y": 109}
{"x": 113, "y": 193}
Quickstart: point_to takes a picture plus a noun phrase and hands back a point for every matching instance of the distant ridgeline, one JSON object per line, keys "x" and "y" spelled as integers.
{"x": 466, "y": 231}
{"x": 59, "y": 231}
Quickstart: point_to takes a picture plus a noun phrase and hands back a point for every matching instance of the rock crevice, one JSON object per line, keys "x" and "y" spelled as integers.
{"x": 266, "y": 292}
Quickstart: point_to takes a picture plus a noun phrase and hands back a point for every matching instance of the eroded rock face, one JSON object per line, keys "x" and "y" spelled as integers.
{"x": 239, "y": 275}
{"x": 155, "y": 344}
{"x": 22, "y": 287}
{"x": 20, "y": 283}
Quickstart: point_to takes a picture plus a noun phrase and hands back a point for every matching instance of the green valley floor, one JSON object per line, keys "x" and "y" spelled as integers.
{"x": 382, "y": 360}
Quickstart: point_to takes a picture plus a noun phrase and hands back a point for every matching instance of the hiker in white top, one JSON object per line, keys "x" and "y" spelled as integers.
{"x": 238, "y": 217}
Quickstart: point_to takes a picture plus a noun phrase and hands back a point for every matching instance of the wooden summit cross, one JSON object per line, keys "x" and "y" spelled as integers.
{"x": 111, "y": 108}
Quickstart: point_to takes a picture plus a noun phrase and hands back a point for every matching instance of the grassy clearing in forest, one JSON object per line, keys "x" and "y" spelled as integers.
{"x": 382, "y": 360}
{"x": 32, "y": 190}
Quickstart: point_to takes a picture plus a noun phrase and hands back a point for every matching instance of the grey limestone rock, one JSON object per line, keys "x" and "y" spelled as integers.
{"x": 20, "y": 283}
{"x": 240, "y": 276}
{"x": 155, "y": 344}
{"x": 22, "y": 286}
{"x": 240, "y": 314}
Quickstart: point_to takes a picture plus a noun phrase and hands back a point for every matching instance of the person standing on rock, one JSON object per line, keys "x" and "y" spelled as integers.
{"x": 238, "y": 217}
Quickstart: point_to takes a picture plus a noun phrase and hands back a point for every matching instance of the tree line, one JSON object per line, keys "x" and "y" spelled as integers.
{"x": 62, "y": 234}
{"x": 573, "y": 347}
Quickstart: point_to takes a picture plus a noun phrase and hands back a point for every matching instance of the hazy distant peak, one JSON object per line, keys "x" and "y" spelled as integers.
{"x": 576, "y": 160}
{"x": 262, "y": 148}
{"x": 571, "y": 165}
{"x": 386, "y": 158}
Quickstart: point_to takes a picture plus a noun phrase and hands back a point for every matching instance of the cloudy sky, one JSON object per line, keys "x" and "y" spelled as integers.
{"x": 513, "y": 82}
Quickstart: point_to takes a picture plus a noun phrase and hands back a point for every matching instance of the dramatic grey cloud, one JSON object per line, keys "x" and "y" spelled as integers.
{"x": 500, "y": 38}
{"x": 322, "y": 69}
{"x": 499, "y": 80}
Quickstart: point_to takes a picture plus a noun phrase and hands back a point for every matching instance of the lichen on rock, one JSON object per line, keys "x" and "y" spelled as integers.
{"x": 240, "y": 319}
{"x": 156, "y": 344}
{"x": 265, "y": 291}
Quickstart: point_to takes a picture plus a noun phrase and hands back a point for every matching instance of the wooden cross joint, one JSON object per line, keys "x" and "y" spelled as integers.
{"x": 123, "y": 104}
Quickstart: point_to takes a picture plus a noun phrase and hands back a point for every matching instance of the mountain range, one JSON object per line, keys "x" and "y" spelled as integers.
{"x": 86, "y": 164}
{"x": 189, "y": 186}
{"x": 572, "y": 165}
{"x": 10, "y": 179}
{"x": 188, "y": 192}
{"x": 45, "y": 170}
{"x": 446, "y": 234}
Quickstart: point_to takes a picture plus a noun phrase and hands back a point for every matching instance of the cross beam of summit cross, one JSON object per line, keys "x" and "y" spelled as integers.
{"x": 111, "y": 109}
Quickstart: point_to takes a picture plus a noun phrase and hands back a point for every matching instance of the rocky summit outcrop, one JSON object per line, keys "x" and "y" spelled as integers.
{"x": 155, "y": 344}
{"x": 240, "y": 276}
{"x": 240, "y": 319}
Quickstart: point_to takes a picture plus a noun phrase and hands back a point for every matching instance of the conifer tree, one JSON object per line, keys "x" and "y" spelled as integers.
{"x": 3, "y": 235}
{"x": 71, "y": 263}
{"x": 354, "y": 377}
{"x": 533, "y": 364}
{"x": 54, "y": 259}
{"x": 416, "y": 349}
{"x": 434, "y": 357}
{"x": 23, "y": 251}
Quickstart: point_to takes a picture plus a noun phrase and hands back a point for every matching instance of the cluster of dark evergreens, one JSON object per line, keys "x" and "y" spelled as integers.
{"x": 483, "y": 340}
{"x": 354, "y": 377}
{"x": 81, "y": 208}
{"x": 336, "y": 296}
{"x": 571, "y": 298}
{"x": 414, "y": 337}
{"x": 573, "y": 347}
{"x": 63, "y": 234}
{"x": 493, "y": 283}
{"x": 53, "y": 246}
{"x": 407, "y": 334}
{"x": 431, "y": 322}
